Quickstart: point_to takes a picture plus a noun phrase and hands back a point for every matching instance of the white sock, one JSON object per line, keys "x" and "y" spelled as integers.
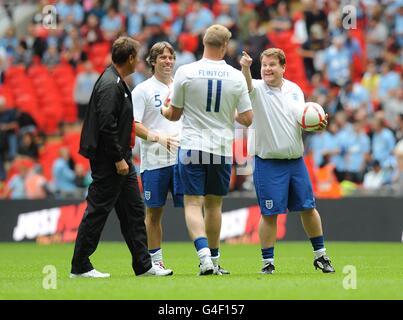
{"x": 156, "y": 257}
{"x": 204, "y": 254}
{"x": 319, "y": 253}
{"x": 268, "y": 261}
{"x": 215, "y": 260}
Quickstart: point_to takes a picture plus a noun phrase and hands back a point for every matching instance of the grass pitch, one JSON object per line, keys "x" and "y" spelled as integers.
{"x": 378, "y": 266}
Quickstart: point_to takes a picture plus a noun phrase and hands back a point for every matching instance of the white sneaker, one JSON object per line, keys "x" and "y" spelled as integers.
{"x": 218, "y": 270}
{"x": 157, "y": 270}
{"x": 90, "y": 274}
{"x": 206, "y": 267}
{"x": 159, "y": 263}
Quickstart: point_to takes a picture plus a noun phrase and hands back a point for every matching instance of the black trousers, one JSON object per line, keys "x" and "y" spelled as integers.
{"x": 109, "y": 190}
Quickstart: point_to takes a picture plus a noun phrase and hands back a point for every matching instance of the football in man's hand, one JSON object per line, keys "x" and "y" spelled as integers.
{"x": 310, "y": 116}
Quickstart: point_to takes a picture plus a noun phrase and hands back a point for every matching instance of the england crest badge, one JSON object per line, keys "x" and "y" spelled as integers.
{"x": 147, "y": 195}
{"x": 269, "y": 204}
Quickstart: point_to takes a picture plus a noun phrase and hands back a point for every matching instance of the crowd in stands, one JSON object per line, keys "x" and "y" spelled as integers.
{"x": 345, "y": 55}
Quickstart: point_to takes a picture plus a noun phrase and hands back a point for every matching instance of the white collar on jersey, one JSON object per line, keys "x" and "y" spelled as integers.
{"x": 283, "y": 89}
{"x": 153, "y": 78}
{"x": 213, "y": 61}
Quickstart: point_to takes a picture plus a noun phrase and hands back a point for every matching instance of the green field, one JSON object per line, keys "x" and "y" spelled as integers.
{"x": 378, "y": 269}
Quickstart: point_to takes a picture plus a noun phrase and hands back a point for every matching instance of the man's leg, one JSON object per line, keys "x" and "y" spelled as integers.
{"x": 312, "y": 223}
{"x": 267, "y": 235}
{"x": 213, "y": 216}
{"x": 194, "y": 216}
{"x": 301, "y": 198}
{"x": 154, "y": 234}
{"x": 313, "y": 228}
{"x": 271, "y": 180}
{"x": 212, "y": 212}
{"x": 193, "y": 177}
{"x": 156, "y": 184}
{"x": 102, "y": 195}
{"x": 130, "y": 210}
{"x": 197, "y": 231}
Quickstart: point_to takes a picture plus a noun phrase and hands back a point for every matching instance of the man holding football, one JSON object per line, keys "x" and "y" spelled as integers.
{"x": 280, "y": 176}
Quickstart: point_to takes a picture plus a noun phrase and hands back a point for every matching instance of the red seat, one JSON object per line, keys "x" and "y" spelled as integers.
{"x": 72, "y": 140}
{"x": 174, "y": 10}
{"x": 98, "y": 53}
{"x": 62, "y": 71}
{"x": 216, "y": 9}
{"x": 18, "y": 80}
{"x": 37, "y": 70}
{"x": 70, "y": 112}
{"x": 189, "y": 42}
{"x": 6, "y": 92}
{"x": 14, "y": 70}
{"x": 47, "y": 155}
{"x": 26, "y": 102}
{"x": 100, "y": 48}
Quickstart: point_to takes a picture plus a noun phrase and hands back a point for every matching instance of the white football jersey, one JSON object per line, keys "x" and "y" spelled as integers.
{"x": 148, "y": 97}
{"x": 275, "y": 132}
{"x": 210, "y": 92}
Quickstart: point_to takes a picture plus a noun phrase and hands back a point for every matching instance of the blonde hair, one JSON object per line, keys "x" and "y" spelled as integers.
{"x": 216, "y": 36}
{"x": 274, "y": 52}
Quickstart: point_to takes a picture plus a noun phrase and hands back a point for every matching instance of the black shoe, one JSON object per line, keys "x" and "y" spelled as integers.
{"x": 222, "y": 271}
{"x": 268, "y": 269}
{"x": 323, "y": 263}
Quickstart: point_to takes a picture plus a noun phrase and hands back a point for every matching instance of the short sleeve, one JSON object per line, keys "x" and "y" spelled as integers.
{"x": 139, "y": 103}
{"x": 178, "y": 95}
{"x": 244, "y": 100}
{"x": 252, "y": 94}
{"x": 300, "y": 95}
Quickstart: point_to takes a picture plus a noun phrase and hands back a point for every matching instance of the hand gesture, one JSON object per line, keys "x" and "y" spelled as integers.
{"x": 246, "y": 60}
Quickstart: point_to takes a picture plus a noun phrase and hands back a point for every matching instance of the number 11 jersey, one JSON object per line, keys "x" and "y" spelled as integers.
{"x": 209, "y": 91}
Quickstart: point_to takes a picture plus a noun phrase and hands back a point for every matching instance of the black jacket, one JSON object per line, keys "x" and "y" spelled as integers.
{"x": 108, "y": 121}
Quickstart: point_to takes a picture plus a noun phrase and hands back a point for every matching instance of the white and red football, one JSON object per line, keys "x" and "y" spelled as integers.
{"x": 310, "y": 116}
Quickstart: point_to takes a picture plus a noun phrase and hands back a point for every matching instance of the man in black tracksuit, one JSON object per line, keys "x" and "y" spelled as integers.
{"x": 107, "y": 139}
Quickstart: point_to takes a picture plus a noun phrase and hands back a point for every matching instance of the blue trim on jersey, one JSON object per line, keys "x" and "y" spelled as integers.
{"x": 209, "y": 94}
{"x": 157, "y": 183}
{"x": 218, "y": 96}
{"x": 282, "y": 185}
{"x": 204, "y": 173}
